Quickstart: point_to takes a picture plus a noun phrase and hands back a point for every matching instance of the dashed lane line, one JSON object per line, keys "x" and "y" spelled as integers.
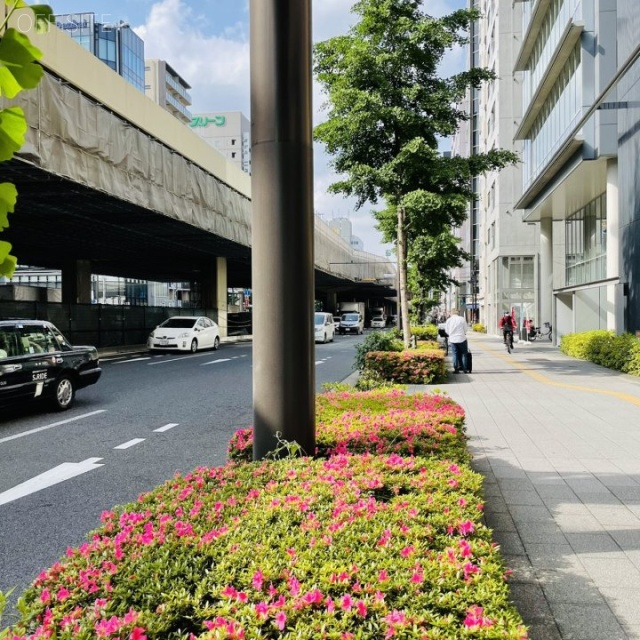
{"x": 50, "y": 426}
{"x": 130, "y": 443}
{"x": 166, "y": 427}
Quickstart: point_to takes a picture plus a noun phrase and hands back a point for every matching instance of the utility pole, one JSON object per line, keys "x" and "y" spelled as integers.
{"x": 282, "y": 225}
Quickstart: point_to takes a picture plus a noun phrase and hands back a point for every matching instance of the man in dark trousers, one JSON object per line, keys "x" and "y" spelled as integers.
{"x": 456, "y": 328}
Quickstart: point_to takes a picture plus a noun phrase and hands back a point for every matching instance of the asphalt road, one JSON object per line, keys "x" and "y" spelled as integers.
{"x": 148, "y": 417}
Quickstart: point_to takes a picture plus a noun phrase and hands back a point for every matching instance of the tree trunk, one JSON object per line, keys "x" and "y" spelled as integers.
{"x": 402, "y": 278}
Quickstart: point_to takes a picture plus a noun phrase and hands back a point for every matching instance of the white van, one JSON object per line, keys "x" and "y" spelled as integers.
{"x": 325, "y": 329}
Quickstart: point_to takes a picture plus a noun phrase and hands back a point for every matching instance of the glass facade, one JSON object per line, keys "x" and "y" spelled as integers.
{"x": 117, "y": 45}
{"x": 585, "y": 243}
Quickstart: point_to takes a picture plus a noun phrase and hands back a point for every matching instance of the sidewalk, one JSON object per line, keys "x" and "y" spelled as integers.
{"x": 558, "y": 441}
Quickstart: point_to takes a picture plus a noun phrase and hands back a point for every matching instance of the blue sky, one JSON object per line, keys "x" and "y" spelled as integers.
{"x": 207, "y": 42}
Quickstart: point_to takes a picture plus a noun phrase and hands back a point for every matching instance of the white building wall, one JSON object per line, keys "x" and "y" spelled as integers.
{"x": 227, "y": 131}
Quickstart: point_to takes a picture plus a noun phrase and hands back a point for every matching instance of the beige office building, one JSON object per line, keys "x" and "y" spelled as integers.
{"x": 227, "y": 131}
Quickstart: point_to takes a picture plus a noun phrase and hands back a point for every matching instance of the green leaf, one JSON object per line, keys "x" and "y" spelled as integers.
{"x": 8, "y": 197}
{"x": 44, "y": 16}
{"x": 7, "y": 261}
{"x": 18, "y": 67}
{"x": 13, "y": 128}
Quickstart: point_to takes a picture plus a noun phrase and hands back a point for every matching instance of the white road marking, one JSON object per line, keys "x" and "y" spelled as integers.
{"x": 133, "y": 360}
{"x": 50, "y": 426}
{"x": 166, "y": 427}
{"x": 131, "y": 443}
{"x": 214, "y": 361}
{"x": 58, "y": 474}
{"x": 195, "y": 355}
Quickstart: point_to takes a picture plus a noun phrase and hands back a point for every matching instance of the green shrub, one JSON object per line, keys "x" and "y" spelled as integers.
{"x": 362, "y": 547}
{"x": 428, "y": 332}
{"x": 376, "y": 341}
{"x": 478, "y": 327}
{"x": 619, "y": 352}
{"x": 414, "y": 366}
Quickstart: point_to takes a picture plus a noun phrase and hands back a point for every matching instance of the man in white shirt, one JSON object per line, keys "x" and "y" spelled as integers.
{"x": 456, "y": 328}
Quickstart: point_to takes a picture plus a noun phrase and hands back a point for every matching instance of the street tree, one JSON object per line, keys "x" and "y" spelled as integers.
{"x": 388, "y": 108}
{"x": 19, "y": 71}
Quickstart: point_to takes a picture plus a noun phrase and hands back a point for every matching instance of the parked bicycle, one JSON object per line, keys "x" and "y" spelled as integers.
{"x": 545, "y": 331}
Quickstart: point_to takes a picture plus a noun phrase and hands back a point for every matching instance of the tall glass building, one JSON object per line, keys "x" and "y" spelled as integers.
{"x": 117, "y": 45}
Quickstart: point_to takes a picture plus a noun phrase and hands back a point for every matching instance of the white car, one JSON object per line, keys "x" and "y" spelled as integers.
{"x": 351, "y": 322}
{"x": 378, "y": 322}
{"x": 185, "y": 333}
{"x": 325, "y": 328}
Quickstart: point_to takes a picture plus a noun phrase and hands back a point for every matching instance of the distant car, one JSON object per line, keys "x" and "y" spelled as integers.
{"x": 336, "y": 321}
{"x": 38, "y": 363}
{"x": 325, "y": 328}
{"x": 378, "y": 322}
{"x": 351, "y": 322}
{"x": 185, "y": 333}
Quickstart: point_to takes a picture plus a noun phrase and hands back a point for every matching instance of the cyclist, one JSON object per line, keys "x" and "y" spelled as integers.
{"x": 506, "y": 324}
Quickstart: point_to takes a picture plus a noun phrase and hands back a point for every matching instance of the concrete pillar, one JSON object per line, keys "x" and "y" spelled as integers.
{"x": 546, "y": 270}
{"x": 332, "y": 302}
{"x": 615, "y": 312}
{"x": 76, "y": 282}
{"x": 222, "y": 299}
{"x": 214, "y": 292}
{"x": 282, "y": 225}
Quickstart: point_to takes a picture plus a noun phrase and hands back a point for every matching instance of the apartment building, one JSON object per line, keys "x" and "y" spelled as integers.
{"x": 167, "y": 88}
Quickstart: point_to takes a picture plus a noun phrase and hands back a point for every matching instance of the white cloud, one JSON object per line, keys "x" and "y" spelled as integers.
{"x": 217, "y": 67}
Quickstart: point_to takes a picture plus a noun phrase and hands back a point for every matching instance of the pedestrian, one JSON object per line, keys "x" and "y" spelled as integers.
{"x": 456, "y": 328}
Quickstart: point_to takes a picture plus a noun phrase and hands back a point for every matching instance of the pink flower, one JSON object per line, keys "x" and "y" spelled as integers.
{"x": 383, "y": 575}
{"x": 262, "y": 609}
{"x": 281, "y": 620}
{"x": 466, "y": 528}
{"x": 476, "y": 619}
{"x": 138, "y": 634}
{"x": 361, "y": 608}
{"x": 346, "y": 602}
{"x": 63, "y": 594}
{"x": 45, "y": 596}
{"x": 257, "y": 580}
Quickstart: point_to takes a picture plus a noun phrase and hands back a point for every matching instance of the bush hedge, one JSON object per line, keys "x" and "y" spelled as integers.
{"x": 478, "y": 327}
{"x": 376, "y": 341}
{"x": 428, "y": 332}
{"x": 414, "y": 366}
{"x": 380, "y": 422}
{"x": 619, "y": 352}
{"x": 349, "y": 547}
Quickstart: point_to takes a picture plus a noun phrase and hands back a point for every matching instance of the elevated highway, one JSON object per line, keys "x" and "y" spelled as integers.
{"x": 110, "y": 179}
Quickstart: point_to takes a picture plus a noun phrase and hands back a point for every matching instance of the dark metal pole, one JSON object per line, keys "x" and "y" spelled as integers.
{"x": 282, "y": 225}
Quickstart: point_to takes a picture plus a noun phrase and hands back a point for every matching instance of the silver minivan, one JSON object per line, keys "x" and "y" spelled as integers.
{"x": 325, "y": 329}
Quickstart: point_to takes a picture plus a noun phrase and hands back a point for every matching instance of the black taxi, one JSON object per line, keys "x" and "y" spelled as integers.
{"x": 38, "y": 363}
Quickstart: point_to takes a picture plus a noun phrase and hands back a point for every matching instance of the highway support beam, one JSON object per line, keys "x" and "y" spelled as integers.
{"x": 282, "y": 225}
{"x": 214, "y": 292}
{"x": 76, "y": 282}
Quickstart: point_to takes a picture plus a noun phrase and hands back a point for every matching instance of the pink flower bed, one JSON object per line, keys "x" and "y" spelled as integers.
{"x": 371, "y": 547}
{"x": 380, "y": 422}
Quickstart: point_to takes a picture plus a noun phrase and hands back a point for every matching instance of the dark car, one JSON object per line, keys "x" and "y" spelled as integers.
{"x": 38, "y": 363}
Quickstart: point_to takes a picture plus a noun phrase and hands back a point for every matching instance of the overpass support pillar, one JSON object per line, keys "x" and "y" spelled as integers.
{"x": 76, "y": 282}
{"x": 214, "y": 292}
{"x": 332, "y": 302}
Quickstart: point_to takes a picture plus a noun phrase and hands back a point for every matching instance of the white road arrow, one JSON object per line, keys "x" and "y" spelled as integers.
{"x": 58, "y": 474}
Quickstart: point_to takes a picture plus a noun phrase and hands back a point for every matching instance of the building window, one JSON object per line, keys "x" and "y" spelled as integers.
{"x": 585, "y": 243}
